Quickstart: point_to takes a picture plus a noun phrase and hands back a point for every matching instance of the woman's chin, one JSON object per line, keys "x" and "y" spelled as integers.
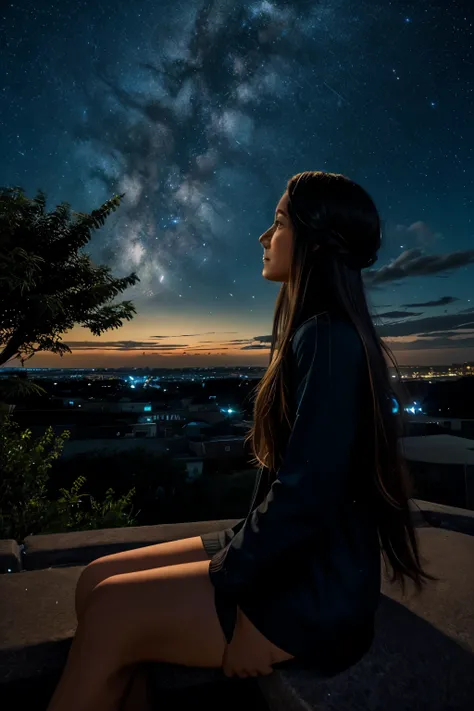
{"x": 267, "y": 273}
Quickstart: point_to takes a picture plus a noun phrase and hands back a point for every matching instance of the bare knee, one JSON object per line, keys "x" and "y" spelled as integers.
{"x": 92, "y": 575}
{"x": 186, "y": 550}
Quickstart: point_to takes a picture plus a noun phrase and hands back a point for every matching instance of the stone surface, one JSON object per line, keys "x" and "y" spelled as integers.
{"x": 441, "y": 516}
{"x": 10, "y": 556}
{"x": 422, "y": 656}
{"x": 80, "y": 547}
{"x": 37, "y": 621}
{"x": 37, "y": 618}
{"x": 230, "y": 695}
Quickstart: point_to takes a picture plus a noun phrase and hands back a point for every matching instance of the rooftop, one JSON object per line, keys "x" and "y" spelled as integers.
{"x": 439, "y": 449}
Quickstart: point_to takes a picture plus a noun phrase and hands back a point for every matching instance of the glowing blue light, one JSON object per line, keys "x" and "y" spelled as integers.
{"x": 147, "y": 408}
{"x": 413, "y": 409}
{"x": 396, "y": 407}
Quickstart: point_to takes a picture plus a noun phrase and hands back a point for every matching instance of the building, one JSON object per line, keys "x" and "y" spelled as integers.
{"x": 442, "y": 468}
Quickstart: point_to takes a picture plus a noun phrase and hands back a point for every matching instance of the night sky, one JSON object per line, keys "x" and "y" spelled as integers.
{"x": 200, "y": 112}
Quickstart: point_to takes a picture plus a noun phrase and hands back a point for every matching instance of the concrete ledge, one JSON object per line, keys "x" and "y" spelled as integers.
{"x": 423, "y": 654}
{"x": 448, "y": 517}
{"x": 422, "y": 657}
{"x": 38, "y": 620}
{"x": 10, "y": 556}
{"x": 81, "y": 547}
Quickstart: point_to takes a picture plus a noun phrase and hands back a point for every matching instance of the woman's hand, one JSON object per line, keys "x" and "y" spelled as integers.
{"x": 249, "y": 652}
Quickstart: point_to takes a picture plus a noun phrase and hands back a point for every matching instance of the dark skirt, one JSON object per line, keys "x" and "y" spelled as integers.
{"x": 328, "y": 661}
{"x": 214, "y": 542}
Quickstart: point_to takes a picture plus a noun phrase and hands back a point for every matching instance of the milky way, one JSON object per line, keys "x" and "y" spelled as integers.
{"x": 200, "y": 112}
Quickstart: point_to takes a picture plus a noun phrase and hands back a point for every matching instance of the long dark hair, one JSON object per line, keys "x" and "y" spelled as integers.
{"x": 337, "y": 233}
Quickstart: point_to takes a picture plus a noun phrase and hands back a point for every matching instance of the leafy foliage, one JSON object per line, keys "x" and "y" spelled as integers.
{"x": 25, "y": 508}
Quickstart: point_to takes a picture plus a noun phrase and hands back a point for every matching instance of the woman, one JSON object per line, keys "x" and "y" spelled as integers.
{"x": 298, "y": 580}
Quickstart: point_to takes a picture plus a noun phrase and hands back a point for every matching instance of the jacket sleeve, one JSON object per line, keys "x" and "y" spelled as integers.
{"x": 311, "y": 482}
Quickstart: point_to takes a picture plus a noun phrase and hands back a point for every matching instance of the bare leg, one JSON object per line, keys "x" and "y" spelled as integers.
{"x": 136, "y": 698}
{"x": 92, "y": 679}
{"x": 184, "y": 550}
{"x": 166, "y": 614}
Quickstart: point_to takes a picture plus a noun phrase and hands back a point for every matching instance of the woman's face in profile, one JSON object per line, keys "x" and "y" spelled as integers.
{"x": 277, "y": 243}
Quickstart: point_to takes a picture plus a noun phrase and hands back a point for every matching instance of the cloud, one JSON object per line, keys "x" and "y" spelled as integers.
{"x": 124, "y": 346}
{"x": 446, "y": 334}
{"x": 430, "y": 324}
{"x": 439, "y": 331}
{"x": 443, "y": 301}
{"x": 433, "y": 343}
{"x": 413, "y": 263}
{"x": 193, "y": 335}
{"x": 422, "y": 233}
{"x": 398, "y": 314}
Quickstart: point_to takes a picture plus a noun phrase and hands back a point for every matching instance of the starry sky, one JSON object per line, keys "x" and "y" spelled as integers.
{"x": 200, "y": 112}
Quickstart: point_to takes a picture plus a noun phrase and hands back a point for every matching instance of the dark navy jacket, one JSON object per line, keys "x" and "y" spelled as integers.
{"x": 304, "y": 565}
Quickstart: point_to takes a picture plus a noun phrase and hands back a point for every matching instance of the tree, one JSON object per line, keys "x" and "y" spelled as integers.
{"x": 47, "y": 285}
